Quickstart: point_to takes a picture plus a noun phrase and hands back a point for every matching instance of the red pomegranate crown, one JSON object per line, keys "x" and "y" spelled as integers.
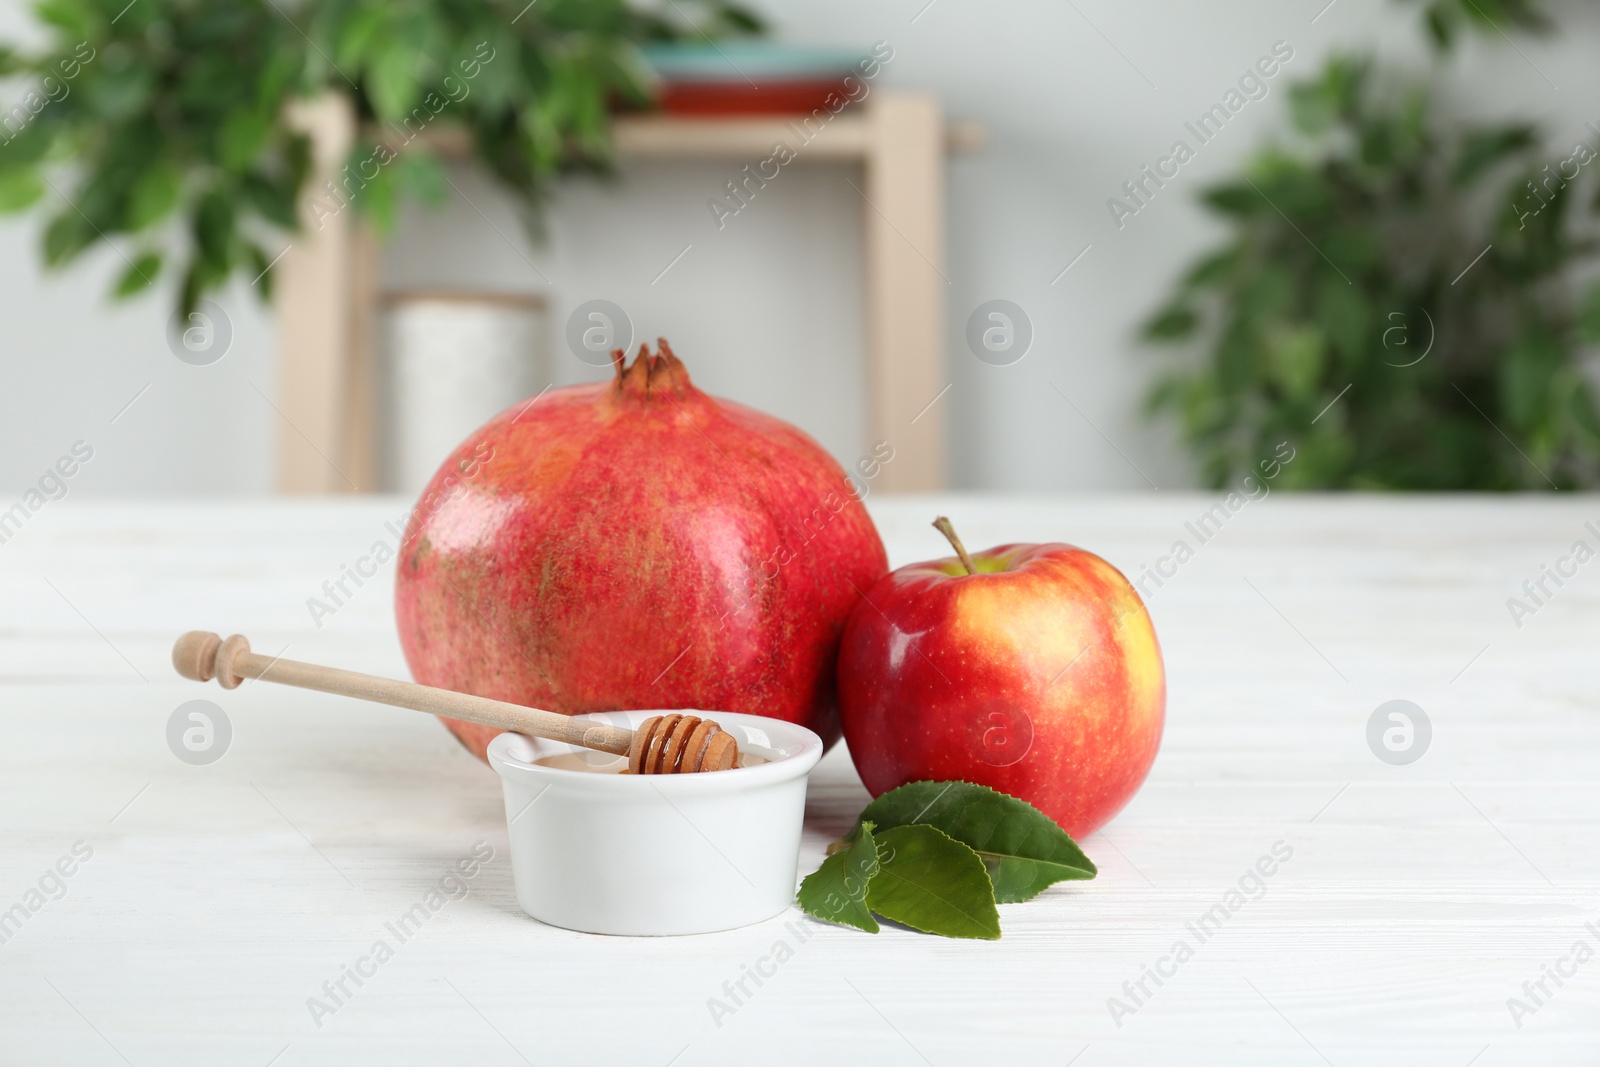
{"x": 650, "y": 372}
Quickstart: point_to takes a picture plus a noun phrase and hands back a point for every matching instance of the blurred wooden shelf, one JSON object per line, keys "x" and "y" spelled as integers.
{"x": 329, "y": 280}
{"x": 656, "y": 136}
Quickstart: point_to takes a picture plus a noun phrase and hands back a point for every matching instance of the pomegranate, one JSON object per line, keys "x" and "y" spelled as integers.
{"x": 636, "y": 544}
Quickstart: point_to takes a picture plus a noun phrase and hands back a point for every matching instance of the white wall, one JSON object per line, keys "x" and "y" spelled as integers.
{"x": 768, "y": 310}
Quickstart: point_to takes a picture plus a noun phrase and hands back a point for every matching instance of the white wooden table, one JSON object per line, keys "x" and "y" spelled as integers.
{"x": 1418, "y": 898}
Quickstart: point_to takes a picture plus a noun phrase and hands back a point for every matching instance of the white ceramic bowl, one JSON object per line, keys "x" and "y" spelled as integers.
{"x": 661, "y": 853}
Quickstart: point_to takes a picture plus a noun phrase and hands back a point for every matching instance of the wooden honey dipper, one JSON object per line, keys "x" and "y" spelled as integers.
{"x": 663, "y": 744}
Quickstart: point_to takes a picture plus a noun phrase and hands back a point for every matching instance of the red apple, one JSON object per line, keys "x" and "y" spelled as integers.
{"x": 1031, "y": 669}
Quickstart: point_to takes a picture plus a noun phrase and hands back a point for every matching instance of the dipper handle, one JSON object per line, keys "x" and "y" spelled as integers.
{"x": 664, "y": 744}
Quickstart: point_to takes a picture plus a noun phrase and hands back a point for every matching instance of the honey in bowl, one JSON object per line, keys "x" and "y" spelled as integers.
{"x": 604, "y": 763}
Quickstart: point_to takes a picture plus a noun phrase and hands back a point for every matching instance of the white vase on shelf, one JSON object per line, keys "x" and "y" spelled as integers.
{"x": 452, "y": 361}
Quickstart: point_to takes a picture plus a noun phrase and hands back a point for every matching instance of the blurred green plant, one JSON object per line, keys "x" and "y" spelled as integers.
{"x": 164, "y": 127}
{"x": 1399, "y": 296}
{"x": 1448, "y": 20}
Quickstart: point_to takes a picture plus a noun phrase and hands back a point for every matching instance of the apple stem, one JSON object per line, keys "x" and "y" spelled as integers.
{"x": 942, "y": 524}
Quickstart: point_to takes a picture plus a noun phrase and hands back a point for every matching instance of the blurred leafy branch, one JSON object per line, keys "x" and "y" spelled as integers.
{"x": 1401, "y": 294}
{"x": 1447, "y": 20}
{"x": 165, "y": 127}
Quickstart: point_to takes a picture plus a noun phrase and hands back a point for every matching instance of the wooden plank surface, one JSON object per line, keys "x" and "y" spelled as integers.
{"x": 1418, "y": 899}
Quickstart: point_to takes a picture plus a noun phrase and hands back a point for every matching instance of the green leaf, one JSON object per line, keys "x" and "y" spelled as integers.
{"x": 357, "y": 34}
{"x": 1482, "y": 149}
{"x": 155, "y": 195}
{"x": 1342, "y": 312}
{"x": 836, "y": 892}
{"x": 200, "y": 278}
{"x": 1237, "y": 362}
{"x": 497, "y": 83}
{"x": 392, "y": 82}
{"x": 1021, "y": 847}
{"x": 116, "y": 93}
{"x": 1171, "y": 324}
{"x": 66, "y": 236}
{"x": 70, "y": 16}
{"x": 25, "y": 147}
{"x": 1589, "y": 315}
{"x": 261, "y": 269}
{"x": 1585, "y": 419}
{"x": 1314, "y": 106}
{"x": 1510, "y": 14}
{"x": 19, "y": 189}
{"x": 1350, "y": 249}
{"x": 1295, "y": 361}
{"x": 1215, "y": 268}
{"x": 1268, "y": 295}
{"x": 1441, "y": 27}
{"x": 379, "y": 202}
{"x": 139, "y": 275}
{"x": 213, "y": 227}
{"x": 1291, "y": 189}
{"x": 1527, "y": 371}
{"x": 423, "y": 175}
{"x": 1239, "y": 200}
{"x": 277, "y": 78}
{"x": 242, "y": 138}
{"x": 929, "y": 881}
{"x": 273, "y": 202}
